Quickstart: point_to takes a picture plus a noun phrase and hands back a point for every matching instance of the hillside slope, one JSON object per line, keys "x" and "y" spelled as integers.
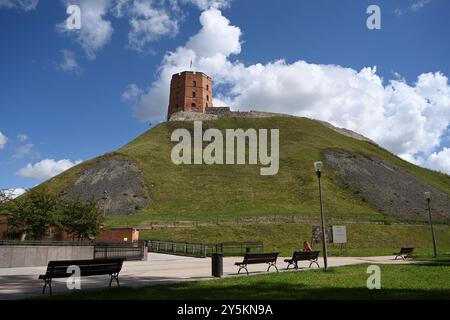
{"x": 207, "y": 192}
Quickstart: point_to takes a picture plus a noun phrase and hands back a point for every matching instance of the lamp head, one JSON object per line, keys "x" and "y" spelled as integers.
{"x": 427, "y": 195}
{"x": 318, "y": 166}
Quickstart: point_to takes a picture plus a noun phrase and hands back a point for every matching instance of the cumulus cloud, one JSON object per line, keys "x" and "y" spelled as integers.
{"x": 95, "y": 30}
{"x": 26, "y": 5}
{"x": 439, "y": 161}
{"x": 408, "y": 119}
{"x": 69, "y": 62}
{"x": 46, "y": 169}
{"x": 3, "y": 140}
{"x": 149, "y": 20}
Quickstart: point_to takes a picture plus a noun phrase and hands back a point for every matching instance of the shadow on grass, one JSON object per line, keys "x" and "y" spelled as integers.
{"x": 255, "y": 291}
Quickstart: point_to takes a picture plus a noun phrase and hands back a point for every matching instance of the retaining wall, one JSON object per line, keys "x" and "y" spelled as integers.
{"x": 34, "y": 256}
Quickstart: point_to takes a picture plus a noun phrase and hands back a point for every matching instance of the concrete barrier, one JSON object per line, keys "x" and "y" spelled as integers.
{"x": 35, "y": 256}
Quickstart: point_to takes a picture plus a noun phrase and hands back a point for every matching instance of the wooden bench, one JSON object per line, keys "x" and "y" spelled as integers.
{"x": 254, "y": 258}
{"x": 404, "y": 253}
{"x": 58, "y": 269}
{"x": 311, "y": 256}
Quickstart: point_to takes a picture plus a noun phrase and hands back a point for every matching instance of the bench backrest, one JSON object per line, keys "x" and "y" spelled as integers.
{"x": 305, "y": 255}
{"x": 87, "y": 267}
{"x": 250, "y": 258}
{"x": 406, "y": 250}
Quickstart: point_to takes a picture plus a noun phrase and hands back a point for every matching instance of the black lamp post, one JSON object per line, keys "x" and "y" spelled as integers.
{"x": 318, "y": 168}
{"x": 428, "y": 198}
{"x": 105, "y": 198}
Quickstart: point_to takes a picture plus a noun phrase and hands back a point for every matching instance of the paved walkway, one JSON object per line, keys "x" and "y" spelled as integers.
{"x": 19, "y": 283}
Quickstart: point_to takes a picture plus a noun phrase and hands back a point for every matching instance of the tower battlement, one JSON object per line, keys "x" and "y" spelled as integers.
{"x": 190, "y": 91}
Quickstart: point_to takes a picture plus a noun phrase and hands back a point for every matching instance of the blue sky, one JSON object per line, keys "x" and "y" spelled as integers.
{"x": 62, "y": 94}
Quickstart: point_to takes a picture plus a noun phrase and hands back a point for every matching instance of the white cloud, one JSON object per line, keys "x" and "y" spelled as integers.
{"x": 22, "y": 137}
{"x": 206, "y": 4}
{"x": 3, "y": 140}
{"x": 416, "y": 6}
{"x": 407, "y": 119}
{"x": 69, "y": 62}
{"x": 46, "y": 169}
{"x": 26, "y": 5}
{"x": 439, "y": 161}
{"x": 95, "y": 30}
{"x": 23, "y": 151}
{"x": 131, "y": 94}
{"x": 149, "y": 21}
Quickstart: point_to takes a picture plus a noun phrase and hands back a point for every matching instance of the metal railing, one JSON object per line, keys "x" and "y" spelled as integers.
{"x": 180, "y": 248}
{"x": 239, "y": 248}
{"x": 128, "y": 251}
{"x": 203, "y": 249}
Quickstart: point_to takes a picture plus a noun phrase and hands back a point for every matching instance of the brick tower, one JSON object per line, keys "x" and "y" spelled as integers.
{"x": 190, "y": 91}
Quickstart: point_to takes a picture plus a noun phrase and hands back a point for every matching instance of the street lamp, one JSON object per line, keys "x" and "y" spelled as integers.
{"x": 318, "y": 168}
{"x": 105, "y": 198}
{"x": 428, "y": 198}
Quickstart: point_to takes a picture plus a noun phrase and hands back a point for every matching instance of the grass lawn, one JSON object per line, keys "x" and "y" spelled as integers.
{"x": 207, "y": 193}
{"x": 363, "y": 239}
{"x": 348, "y": 282}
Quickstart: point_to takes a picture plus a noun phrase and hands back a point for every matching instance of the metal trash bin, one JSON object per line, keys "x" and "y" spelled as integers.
{"x": 217, "y": 264}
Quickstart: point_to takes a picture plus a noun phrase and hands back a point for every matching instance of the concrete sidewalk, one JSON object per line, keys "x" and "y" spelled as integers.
{"x": 20, "y": 283}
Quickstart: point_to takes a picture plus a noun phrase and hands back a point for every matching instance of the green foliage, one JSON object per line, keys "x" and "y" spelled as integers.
{"x": 34, "y": 214}
{"x": 80, "y": 219}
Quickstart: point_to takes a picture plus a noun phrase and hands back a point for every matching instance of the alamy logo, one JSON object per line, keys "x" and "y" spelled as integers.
{"x": 74, "y": 281}
{"x": 213, "y": 152}
{"x": 73, "y": 22}
{"x": 374, "y": 20}
{"x": 374, "y": 280}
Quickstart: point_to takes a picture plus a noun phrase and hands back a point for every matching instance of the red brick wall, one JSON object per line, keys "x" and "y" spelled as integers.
{"x": 182, "y": 87}
{"x": 118, "y": 234}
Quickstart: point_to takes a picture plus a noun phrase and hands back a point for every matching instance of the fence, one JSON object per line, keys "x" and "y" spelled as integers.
{"x": 180, "y": 248}
{"x": 128, "y": 251}
{"x": 202, "y": 249}
{"x": 239, "y": 248}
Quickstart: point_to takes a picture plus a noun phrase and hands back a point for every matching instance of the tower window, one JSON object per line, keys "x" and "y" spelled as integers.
{"x": 195, "y": 83}
{"x": 207, "y": 87}
{"x": 207, "y": 98}
{"x": 193, "y": 105}
{"x": 193, "y": 94}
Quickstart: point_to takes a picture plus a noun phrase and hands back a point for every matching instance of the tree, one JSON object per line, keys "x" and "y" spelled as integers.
{"x": 5, "y": 198}
{"x": 80, "y": 219}
{"x": 33, "y": 214}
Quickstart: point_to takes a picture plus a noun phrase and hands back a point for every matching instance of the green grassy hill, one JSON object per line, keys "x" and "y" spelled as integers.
{"x": 224, "y": 192}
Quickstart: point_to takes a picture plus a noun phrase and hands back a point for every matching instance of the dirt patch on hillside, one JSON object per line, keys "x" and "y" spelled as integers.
{"x": 121, "y": 178}
{"x": 387, "y": 187}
